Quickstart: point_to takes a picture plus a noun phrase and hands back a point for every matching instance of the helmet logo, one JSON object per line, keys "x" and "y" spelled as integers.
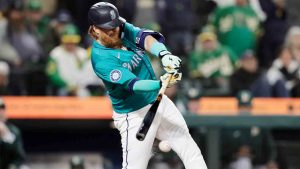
{"x": 112, "y": 14}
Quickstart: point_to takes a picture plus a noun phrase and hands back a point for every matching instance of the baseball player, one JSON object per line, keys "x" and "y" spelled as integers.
{"x": 119, "y": 58}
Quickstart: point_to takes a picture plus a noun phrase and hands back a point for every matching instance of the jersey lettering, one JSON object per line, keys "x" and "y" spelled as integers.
{"x": 134, "y": 62}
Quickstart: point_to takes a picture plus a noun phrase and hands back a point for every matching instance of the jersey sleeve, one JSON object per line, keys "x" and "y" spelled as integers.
{"x": 130, "y": 32}
{"x": 113, "y": 72}
{"x": 53, "y": 73}
{"x": 138, "y": 35}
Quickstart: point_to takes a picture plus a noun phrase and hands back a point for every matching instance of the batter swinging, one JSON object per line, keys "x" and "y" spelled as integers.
{"x": 119, "y": 58}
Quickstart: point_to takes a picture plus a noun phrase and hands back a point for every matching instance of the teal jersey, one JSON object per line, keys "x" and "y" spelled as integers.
{"x": 121, "y": 68}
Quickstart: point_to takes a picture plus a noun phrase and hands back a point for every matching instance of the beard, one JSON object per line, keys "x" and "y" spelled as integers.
{"x": 111, "y": 41}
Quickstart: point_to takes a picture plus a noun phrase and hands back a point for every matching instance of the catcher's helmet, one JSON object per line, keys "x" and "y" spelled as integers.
{"x": 105, "y": 15}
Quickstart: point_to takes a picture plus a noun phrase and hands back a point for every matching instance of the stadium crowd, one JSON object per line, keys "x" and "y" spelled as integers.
{"x": 227, "y": 47}
{"x": 246, "y": 45}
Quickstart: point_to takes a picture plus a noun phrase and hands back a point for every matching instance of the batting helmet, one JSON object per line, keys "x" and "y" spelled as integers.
{"x": 105, "y": 15}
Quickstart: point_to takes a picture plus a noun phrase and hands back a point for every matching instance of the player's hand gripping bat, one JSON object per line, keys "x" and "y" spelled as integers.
{"x": 148, "y": 119}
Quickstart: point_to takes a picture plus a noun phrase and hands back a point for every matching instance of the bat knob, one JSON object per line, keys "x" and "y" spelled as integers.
{"x": 140, "y": 136}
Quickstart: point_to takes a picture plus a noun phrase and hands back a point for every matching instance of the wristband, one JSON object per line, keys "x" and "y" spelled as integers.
{"x": 163, "y": 53}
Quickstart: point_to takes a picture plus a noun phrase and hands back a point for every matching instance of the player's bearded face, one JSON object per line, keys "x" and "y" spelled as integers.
{"x": 110, "y": 38}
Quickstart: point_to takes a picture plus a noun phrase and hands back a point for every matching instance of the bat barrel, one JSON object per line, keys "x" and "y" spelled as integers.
{"x": 142, "y": 132}
{"x": 140, "y": 136}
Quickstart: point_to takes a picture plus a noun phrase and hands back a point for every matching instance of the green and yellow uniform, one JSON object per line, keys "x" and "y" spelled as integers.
{"x": 237, "y": 27}
{"x": 212, "y": 64}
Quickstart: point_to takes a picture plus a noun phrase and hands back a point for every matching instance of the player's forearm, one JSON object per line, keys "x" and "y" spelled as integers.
{"x": 153, "y": 46}
{"x": 146, "y": 85}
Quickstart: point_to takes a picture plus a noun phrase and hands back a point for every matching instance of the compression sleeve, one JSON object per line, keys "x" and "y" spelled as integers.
{"x": 157, "y": 47}
{"x": 145, "y": 85}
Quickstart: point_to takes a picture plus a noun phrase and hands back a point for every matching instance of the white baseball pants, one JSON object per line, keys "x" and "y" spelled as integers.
{"x": 168, "y": 125}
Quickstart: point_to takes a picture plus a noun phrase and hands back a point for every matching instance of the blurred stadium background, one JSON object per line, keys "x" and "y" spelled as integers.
{"x": 239, "y": 95}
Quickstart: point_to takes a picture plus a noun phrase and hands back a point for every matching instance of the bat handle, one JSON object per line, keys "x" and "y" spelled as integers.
{"x": 165, "y": 85}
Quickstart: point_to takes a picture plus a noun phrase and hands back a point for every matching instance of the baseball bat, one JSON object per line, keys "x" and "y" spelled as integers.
{"x": 148, "y": 119}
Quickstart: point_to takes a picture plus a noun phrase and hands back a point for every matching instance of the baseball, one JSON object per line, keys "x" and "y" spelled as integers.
{"x": 164, "y": 146}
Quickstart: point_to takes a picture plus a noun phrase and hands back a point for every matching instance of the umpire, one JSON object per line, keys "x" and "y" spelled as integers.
{"x": 11, "y": 147}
